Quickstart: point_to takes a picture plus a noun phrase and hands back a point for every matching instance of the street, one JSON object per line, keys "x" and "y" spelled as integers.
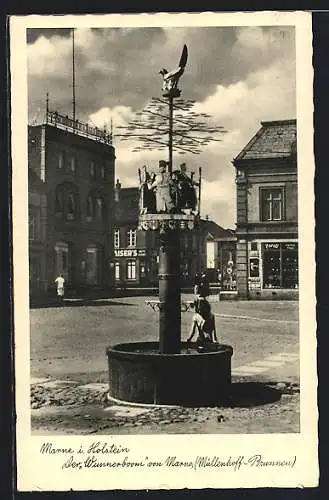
{"x": 68, "y": 352}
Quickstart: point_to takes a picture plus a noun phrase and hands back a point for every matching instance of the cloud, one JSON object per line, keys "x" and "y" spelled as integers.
{"x": 240, "y": 75}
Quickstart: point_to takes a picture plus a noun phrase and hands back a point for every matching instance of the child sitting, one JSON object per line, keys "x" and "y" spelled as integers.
{"x": 203, "y": 322}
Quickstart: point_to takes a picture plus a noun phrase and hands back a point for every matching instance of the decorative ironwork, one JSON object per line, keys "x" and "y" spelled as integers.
{"x": 83, "y": 129}
{"x": 165, "y": 222}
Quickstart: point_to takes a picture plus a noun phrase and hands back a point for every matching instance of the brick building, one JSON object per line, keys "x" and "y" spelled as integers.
{"x": 267, "y": 217}
{"x": 136, "y": 252}
{"x": 37, "y": 234}
{"x": 135, "y": 255}
{"x": 75, "y": 163}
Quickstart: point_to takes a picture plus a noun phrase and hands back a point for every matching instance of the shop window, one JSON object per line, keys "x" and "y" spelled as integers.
{"x": 289, "y": 265}
{"x": 271, "y": 204}
{"x": 131, "y": 237}
{"x": 131, "y": 270}
{"x": 61, "y": 160}
{"x": 280, "y": 265}
{"x": 254, "y": 268}
{"x": 117, "y": 238}
{"x": 117, "y": 271}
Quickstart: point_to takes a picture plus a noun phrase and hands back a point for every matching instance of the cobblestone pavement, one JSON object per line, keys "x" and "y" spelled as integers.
{"x": 255, "y": 407}
{"x": 69, "y": 391}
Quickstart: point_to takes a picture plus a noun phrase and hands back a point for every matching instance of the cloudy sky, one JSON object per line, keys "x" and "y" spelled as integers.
{"x": 241, "y": 75}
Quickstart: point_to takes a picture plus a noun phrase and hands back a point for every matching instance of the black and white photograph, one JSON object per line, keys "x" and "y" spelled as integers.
{"x": 164, "y": 267}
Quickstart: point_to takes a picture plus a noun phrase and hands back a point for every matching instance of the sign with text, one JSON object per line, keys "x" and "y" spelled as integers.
{"x": 130, "y": 252}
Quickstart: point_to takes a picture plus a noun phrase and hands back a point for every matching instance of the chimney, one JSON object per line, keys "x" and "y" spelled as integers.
{"x": 117, "y": 191}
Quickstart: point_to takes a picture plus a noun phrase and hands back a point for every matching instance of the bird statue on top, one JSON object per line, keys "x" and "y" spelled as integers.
{"x": 170, "y": 78}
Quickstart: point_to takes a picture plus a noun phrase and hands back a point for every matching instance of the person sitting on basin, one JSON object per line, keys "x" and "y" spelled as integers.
{"x": 203, "y": 322}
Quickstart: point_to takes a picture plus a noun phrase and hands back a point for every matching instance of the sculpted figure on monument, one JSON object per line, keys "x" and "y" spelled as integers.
{"x": 170, "y": 78}
{"x": 186, "y": 195}
{"x": 147, "y": 196}
{"x": 162, "y": 185}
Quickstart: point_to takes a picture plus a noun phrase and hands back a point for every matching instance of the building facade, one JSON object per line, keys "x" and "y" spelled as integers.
{"x": 37, "y": 213}
{"x": 136, "y": 252}
{"x": 221, "y": 255}
{"x": 76, "y": 166}
{"x": 267, "y": 213}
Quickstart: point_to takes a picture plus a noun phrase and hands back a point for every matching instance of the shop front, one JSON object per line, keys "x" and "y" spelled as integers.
{"x": 134, "y": 267}
{"x": 273, "y": 269}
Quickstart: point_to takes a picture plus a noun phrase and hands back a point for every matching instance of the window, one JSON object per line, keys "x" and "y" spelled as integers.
{"x": 131, "y": 270}
{"x": 94, "y": 208}
{"x": 98, "y": 208}
{"x": 60, "y": 160}
{"x": 90, "y": 208}
{"x": 71, "y": 206}
{"x": 92, "y": 169}
{"x": 59, "y": 202}
{"x": 131, "y": 237}
{"x": 66, "y": 201}
{"x": 117, "y": 271}
{"x": 117, "y": 238}
{"x": 253, "y": 246}
{"x": 73, "y": 164}
{"x": 280, "y": 265}
{"x": 271, "y": 204}
{"x": 254, "y": 267}
{"x": 102, "y": 172}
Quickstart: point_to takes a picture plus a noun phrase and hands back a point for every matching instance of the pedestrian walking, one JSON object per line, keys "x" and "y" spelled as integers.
{"x": 60, "y": 281}
{"x": 203, "y": 323}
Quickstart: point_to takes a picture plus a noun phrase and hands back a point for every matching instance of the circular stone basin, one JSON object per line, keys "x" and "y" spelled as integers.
{"x": 139, "y": 373}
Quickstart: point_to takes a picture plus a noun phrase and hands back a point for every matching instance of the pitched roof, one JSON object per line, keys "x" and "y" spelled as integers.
{"x": 215, "y": 230}
{"x": 275, "y": 139}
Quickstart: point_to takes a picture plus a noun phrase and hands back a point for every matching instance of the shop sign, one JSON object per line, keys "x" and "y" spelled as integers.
{"x": 289, "y": 246}
{"x": 130, "y": 252}
{"x": 272, "y": 246}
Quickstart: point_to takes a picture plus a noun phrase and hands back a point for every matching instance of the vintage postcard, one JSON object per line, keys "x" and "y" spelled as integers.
{"x": 164, "y": 257}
